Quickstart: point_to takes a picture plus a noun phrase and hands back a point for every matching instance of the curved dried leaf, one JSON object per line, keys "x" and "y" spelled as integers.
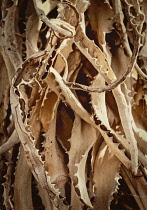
{"x": 106, "y": 176}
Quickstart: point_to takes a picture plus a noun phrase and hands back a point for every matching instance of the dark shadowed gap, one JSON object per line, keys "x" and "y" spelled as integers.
{"x": 124, "y": 199}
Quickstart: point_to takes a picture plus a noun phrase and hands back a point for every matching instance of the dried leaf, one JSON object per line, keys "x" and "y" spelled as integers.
{"x": 22, "y": 184}
{"x": 105, "y": 185}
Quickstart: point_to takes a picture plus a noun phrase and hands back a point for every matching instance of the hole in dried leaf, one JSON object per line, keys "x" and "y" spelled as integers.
{"x": 120, "y": 146}
{"x": 114, "y": 140}
{"x": 97, "y": 122}
{"x": 103, "y": 127}
{"x": 127, "y": 154}
{"x": 110, "y": 134}
{"x": 53, "y": 53}
{"x": 44, "y": 75}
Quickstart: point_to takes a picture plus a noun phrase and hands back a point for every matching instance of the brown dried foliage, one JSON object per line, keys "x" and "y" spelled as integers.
{"x": 73, "y": 104}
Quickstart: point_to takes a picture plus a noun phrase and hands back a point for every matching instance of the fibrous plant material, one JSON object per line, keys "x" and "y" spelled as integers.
{"x": 73, "y": 104}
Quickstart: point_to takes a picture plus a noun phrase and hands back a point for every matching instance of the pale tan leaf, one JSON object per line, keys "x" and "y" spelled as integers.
{"x": 75, "y": 199}
{"x": 98, "y": 101}
{"x": 12, "y": 140}
{"x": 11, "y": 44}
{"x": 101, "y": 17}
{"x": 106, "y": 176}
{"x": 23, "y": 184}
{"x": 82, "y": 139}
{"x": 47, "y": 203}
{"x": 54, "y": 159}
{"x": 47, "y": 109}
{"x": 4, "y": 95}
{"x": 33, "y": 26}
{"x": 109, "y": 136}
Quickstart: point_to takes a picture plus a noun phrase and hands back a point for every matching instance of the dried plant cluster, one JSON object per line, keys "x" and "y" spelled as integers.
{"x": 73, "y": 114}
